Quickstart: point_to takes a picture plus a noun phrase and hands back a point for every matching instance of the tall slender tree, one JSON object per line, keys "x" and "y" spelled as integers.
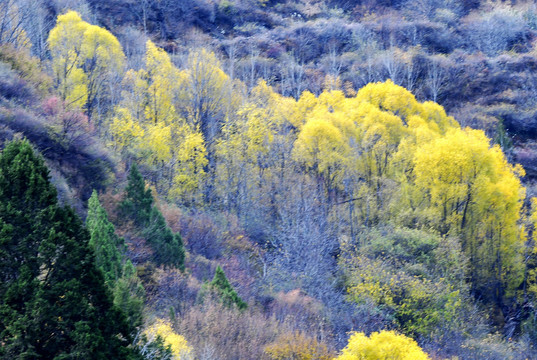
{"x": 119, "y": 273}
{"x": 108, "y": 247}
{"x": 138, "y": 201}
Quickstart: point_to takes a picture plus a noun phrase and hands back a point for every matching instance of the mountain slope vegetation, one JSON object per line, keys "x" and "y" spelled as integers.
{"x": 346, "y": 173}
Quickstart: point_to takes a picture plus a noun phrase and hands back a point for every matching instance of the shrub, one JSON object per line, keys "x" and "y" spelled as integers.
{"x": 226, "y": 333}
{"x": 298, "y": 346}
{"x": 382, "y": 346}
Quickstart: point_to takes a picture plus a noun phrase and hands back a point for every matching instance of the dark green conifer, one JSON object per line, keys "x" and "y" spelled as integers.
{"x": 168, "y": 247}
{"x": 225, "y": 290}
{"x": 129, "y": 294}
{"x": 27, "y": 203}
{"x": 138, "y": 205}
{"x": 107, "y": 246}
{"x": 138, "y": 201}
{"x": 53, "y": 300}
{"x": 72, "y": 313}
{"x": 119, "y": 273}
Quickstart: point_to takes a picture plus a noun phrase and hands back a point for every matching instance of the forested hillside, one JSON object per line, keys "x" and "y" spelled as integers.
{"x": 268, "y": 179}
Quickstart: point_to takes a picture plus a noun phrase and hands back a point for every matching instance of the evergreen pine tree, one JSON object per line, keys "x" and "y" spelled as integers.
{"x": 138, "y": 205}
{"x": 107, "y": 246}
{"x": 53, "y": 300}
{"x": 168, "y": 247}
{"x": 129, "y": 294}
{"x": 27, "y": 201}
{"x": 225, "y": 290}
{"x": 72, "y": 313}
{"x": 119, "y": 273}
{"x": 138, "y": 201}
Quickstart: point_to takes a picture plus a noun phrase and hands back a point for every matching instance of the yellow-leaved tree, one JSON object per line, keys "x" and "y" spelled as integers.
{"x": 470, "y": 189}
{"x": 353, "y": 144}
{"x": 387, "y": 156}
{"x": 85, "y": 58}
{"x": 161, "y": 85}
{"x": 177, "y": 343}
{"x": 384, "y": 345}
{"x": 207, "y": 94}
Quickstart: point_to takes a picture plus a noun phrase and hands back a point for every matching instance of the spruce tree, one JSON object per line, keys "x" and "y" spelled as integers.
{"x": 225, "y": 290}
{"x": 168, "y": 247}
{"x": 119, "y": 273}
{"x": 53, "y": 300}
{"x": 138, "y": 201}
{"x": 129, "y": 294}
{"x": 27, "y": 203}
{"x": 107, "y": 246}
{"x": 138, "y": 205}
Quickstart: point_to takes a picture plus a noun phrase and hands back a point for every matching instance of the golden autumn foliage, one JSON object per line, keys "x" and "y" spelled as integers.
{"x": 206, "y": 90}
{"x": 382, "y": 153}
{"x": 147, "y": 127}
{"x": 178, "y": 344}
{"x": 384, "y": 345}
{"x": 397, "y": 158}
{"x": 449, "y": 178}
{"x": 249, "y": 150}
{"x": 83, "y": 57}
{"x": 376, "y": 156}
{"x": 127, "y": 133}
{"x": 355, "y": 142}
{"x": 160, "y": 79}
{"x": 472, "y": 189}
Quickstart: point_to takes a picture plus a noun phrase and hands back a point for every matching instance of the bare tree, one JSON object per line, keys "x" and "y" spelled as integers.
{"x": 436, "y": 75}
{"x": 37, "y": 24}
{"x": 494, "y": 31}
{"x": 429, "y": 9}
{"x": 254, "y": 54}
{"x": 80, "y": 6}
{"x": 12, "y": 18}
{"x": 411, "y": 69}
{"x": 393, "y": 64}
{"x": 292, "y": 77}
{"x": 335, "y": 63}
{"x": 230, "y": 48}
{"x": 367, "y": 52}
{"x": 141, "y": 8}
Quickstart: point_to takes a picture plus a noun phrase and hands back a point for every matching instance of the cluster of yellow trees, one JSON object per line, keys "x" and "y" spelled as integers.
{"x": 147, "y": 127}
{"x": 388, "y": 158}
{"x": 378, "y": 156}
